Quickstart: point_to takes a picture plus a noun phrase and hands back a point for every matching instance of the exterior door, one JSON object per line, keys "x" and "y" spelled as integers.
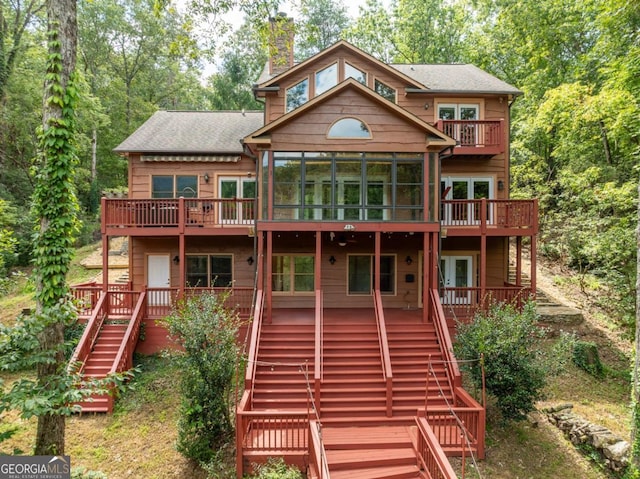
{"x": 465, "y": 128}
{"x": 455, "y": 278}
{"x": 158, "y": 276}
{"x": 462, "y": 211}
{"x": 237, "y": 212}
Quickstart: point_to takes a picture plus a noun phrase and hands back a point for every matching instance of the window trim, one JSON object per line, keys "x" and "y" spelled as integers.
{"x": 209, "y": 256}
{"x": 174, "y": 181}
{"x": 395, "y": 90}
{"x": 292, "y": 276}
{"x": 372, "y": 279}
{"x": 306, "y": 100}
{"x": 345, "y": 118}
{"x": 315, "y": 78}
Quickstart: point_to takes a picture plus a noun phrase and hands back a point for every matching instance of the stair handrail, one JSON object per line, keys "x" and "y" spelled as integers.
{"x": 319, "y": 333}
{"x": 387, "y": 371}
{"x": 431, "y": 456}
{"x": 253, "y": 346}
{"x": 90, "y": 334}
{"x": 317, "y": 452}
{"x": 440, "y": 324}
{"x": 124, "y": 357}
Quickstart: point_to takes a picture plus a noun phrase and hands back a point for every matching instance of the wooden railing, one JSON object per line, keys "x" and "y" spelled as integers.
{"x": 181, "y": 212}
{"x": 91, "y": 331}
{"x": 444, "y": 338}
{"x": 431, "y": 457}
{"x": 238, "y": 299}
{"x": 464, "y": 302}
{"x": 486, "y": 213}
{"x": 317, "y": 453}
{"x": 384, "y": 350}
{"x": 85, "y": 295}
{"x": 480, "y": 137}
{"x": 124, "y": 358}
{"x": 318, "y": 346}
{"x": 252, "y": 358}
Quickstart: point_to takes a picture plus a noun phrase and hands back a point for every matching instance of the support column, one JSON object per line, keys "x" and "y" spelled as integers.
{"x": 260, "y": 262}
{"x": 483, "y": 268}
{"x": 105, "y": 262}
{"x": 317, "y": 272}
{"x": 182, "y": 267}
{"x": 518, "y": 260}
{"x": 376, "y": 260}
{"x": 269, "y": 274}
{"x": 534, "y": 263}
{"x": 426, "y": 266}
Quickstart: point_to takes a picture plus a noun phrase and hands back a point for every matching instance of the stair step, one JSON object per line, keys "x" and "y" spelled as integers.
{"x": 391, "y": 472}
{"x": 361, "y": 458}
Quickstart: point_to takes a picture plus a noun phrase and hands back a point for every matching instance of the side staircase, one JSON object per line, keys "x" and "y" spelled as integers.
{"x": 107, "y": 344}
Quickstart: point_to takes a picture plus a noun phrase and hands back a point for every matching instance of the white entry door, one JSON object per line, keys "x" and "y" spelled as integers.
{"x": 158, "y": 276}
{"x": 456, "y": 272}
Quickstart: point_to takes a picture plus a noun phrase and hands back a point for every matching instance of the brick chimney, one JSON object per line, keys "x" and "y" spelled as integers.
{"x": 280, "y": 43}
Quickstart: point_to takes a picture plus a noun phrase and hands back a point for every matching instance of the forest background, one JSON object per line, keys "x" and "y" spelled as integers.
{"x": 575, "y": 139}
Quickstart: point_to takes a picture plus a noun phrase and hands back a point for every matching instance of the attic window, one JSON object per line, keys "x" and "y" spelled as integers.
{"x": 349, "y": 128}
{"x": 385, "y": 90}
{"x": 298, "y": 95}
{"x": 326, "y": 78}
{"x": 352, "y": 72}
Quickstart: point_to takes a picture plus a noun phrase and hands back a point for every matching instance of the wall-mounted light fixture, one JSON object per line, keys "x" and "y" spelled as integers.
{"x": 176, "y": 259}
{"x": 250, "y": 260}
{"x": 500, "y": 185}
{"x": 349, "y": 227}
{"x": 426, "y": 106}
{"x": 332, "y": 259}
{"x": 408, "y": 260}
{"x": 206, "y": 177}
{"x": 342, "y": 241}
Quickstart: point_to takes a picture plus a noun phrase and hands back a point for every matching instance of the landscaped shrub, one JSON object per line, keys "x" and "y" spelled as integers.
{"x": 207, "y": 331}
{"x": 516, "y": 359}
{"x": 275, "y": 468}
{"x": 586, "y": 357}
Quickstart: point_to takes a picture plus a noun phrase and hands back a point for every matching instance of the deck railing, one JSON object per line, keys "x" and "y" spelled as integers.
{"x": 431, "y": 457}
{"x": 317, "y": 453}
{"x": 463, "y": 303}
{"x": 480, "y": 137}
{"x": 181, "y": 212}
{"x": 486, "y": 213}
{"x": 444, "y": 338}
{"x": 124, "y": 358}
{"x": 252, "y": 357}
{"x": 90, "y": 334}
{"x": 385, "y": 356}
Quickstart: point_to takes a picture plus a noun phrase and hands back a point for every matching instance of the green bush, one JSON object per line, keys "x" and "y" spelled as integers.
{"x": 207, "y": 331}
{"x": 275, "y": 468}
{"x": 82, "y": 473}
{"x": 516, "y": 359}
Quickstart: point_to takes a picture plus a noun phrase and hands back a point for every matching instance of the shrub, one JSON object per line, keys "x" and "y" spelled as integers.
{"x": 275, "y": 468}
{"x": 586, "y": 357}
{"x": 207, "y": 331}
{"x": 516, "y": 362}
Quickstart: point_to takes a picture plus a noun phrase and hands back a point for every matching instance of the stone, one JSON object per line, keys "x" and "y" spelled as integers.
{"x": 618, "y": 452}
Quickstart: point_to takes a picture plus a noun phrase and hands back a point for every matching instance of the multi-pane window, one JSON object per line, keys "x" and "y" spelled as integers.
{"x": 385, "y": 90}
{"x": 292, "y": 273}
{"x": 174, "y": 186}
{"x": 362, "y": 272}
{"x": 207, "y": 271}
{"x": 298, "y": 95}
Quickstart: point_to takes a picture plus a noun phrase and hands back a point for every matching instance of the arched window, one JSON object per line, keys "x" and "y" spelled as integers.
{"x": 349, "y": 128}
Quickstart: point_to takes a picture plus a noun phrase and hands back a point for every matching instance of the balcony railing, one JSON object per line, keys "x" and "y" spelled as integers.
{"x": 489, "y": 213}
{"x": 475, "y": 137}
{"x": 464, "y": 302}
{"x": 193, "y": 212}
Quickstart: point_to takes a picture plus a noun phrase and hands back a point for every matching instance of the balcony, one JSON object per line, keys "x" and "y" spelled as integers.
{"x": 173, "y": 216}
{"x": 468, "y": 217}
{"x": 479, "y": 138}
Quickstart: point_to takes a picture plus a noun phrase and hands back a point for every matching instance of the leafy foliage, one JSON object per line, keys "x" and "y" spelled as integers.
{"x": 276, "y": 468}
{"x": 516, "y": 365}
{"x": 586, "y": 357}
{"x": 207, "y": 332}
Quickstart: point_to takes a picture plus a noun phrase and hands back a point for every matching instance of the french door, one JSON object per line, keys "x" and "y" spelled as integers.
{"x": 462, "y": 212}
{"x": 236, "y": 212}
{"x": 455, "y": 279}
{"x": 465, "y": 134}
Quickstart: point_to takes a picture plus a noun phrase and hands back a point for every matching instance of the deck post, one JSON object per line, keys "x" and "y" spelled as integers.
{"x": 268, "y": 286}
{"x": 182, "y": 267}
{"x": 105, "y": 261}
{"x": 426, "y": 265}
{"x": 518, "y": 260}
{"x": 483, "y": 268}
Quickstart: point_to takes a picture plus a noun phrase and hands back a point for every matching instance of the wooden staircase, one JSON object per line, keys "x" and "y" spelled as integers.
{"x": 100, "y": 363}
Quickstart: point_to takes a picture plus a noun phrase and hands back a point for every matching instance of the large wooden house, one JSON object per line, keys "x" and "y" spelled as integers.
{"x": 354, "y": 220}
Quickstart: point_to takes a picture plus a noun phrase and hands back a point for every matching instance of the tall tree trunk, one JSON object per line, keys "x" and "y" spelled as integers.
{"x": 635, "y": 426}
{"x": 54, "y": 203}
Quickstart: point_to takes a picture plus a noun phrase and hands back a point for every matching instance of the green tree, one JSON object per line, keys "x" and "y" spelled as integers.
{"x": 509, "y": 345}
{"x": 373, "y": 30}
{"x": 321, "y": 23}
{"x": 207, "y": 332}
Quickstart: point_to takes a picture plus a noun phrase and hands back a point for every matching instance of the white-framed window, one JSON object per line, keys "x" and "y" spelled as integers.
{"x": 209, "y": 270}
{"x": 361, "y": 271}
{"x": 174, "y": 186}
{"x": 293, "y": 274}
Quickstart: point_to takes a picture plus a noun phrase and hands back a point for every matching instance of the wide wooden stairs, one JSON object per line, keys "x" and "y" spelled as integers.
{"x": 363, "y": 435}
{"x": 107, "y": 344}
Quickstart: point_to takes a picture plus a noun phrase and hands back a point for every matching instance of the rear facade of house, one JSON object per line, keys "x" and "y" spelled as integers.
{"x": 353, "y": 221}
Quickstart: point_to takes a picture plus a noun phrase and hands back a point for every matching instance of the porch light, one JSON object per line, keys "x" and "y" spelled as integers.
{"x": 500, "y": 185}
{"x": 176, "y": 259}
{"x": 408, "y": 260}
{"x": 250, "y": 260}
{"x": 206, "y": 177}
{"x": 349, "y": 228}
{"x": 332, "y": 259}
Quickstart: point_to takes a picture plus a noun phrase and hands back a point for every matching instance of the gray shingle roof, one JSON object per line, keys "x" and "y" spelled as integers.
{"x": 463, "y": 78}
{"x": 199, "y": 132}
